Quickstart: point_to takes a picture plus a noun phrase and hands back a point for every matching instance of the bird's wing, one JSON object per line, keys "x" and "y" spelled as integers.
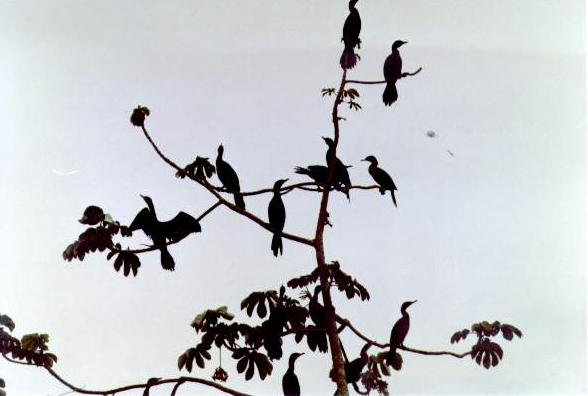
{"x": 352, "y": 27}
{"x": 393, "y": 67}
{"x": 180, "y": 226}
{"x": 228, "y": 176}
{"x": 143, "y": 221}
{"x": 384, "y": 179}
{"x": 276, "y": 213}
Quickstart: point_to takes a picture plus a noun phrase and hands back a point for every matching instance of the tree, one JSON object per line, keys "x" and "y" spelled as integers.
{"x": 281, "y": 314}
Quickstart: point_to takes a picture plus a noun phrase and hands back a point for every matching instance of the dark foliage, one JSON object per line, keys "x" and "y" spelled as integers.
{"x": 485, "y": 352}
{"x": 138, "y": 116}
{"x": 30, "y": 349}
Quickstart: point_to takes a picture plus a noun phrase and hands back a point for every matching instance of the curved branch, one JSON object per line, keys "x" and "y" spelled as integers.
{"x": 180, "y": 380}
{"x": 436, "y": 353}
{"x": 223, "y": 201}
{"x": 347, "y": 323}
{"x": 406, "y": 74}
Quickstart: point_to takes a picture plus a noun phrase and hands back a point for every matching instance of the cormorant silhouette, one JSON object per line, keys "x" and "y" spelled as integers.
{"x": 354, "y": 368}
{"x": 351, "y": 29}
{"x": 229, "y": 178}
{"x": 318, "y": 173}
{"x": 276, "y": 214}
{"x": 381, "y": 177}
{"x": 160, "y": 231}
{"x": 399, "y": 331}
{"x": 392, "y": 72}
{"x": 318, "y": 314}
{"x": 290, "y": 384}
{"x": 340, "y": 174}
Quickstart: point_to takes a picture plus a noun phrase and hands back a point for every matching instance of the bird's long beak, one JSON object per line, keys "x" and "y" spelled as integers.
{"x": 285, "y": 180}
{"x": 404, "y": 42}
{"x": 365, "y": 159}
{"x": 412, "y": 302}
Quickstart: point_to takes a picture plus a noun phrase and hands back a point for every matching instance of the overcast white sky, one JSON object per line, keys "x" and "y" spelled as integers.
{"x": 496, "y": 232}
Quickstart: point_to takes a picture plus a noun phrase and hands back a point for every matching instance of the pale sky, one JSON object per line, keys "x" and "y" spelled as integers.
{"x": 495, "y": 233}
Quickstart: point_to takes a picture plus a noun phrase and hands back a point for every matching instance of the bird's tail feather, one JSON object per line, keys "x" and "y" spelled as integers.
{"x": 348, "y": 59}
{"x": 239, "y": 200}
{"x": 390, "y": 93}
{"x": 393, "y": 197}
{"x": 277, "y": 244}
{"x": 167, "y": 261}
{"x": 302, "y": 171}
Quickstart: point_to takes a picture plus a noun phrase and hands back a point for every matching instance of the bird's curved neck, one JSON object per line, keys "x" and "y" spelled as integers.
{"x": 404, "y": 313}
{"x": 151, "y": 207}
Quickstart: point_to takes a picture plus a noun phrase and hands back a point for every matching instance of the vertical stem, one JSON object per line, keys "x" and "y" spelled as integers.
{"x": 334, "y": 342}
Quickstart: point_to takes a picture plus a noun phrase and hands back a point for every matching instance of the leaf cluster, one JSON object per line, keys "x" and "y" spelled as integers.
{"x": 125, "y": 259}
{"x": 31, "y": 348}
{"x": 93, "y": 238}
{"x": 138, "y": 116}
{"x": 486, "y": 352}
{"x": 337, "y": 277}
{"x": 200, "y": 169}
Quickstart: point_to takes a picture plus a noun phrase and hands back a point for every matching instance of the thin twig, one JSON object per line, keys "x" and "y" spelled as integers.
{"x": 406, "y": 74}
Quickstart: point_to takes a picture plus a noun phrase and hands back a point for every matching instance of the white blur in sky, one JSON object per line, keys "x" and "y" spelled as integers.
{"x": 495, "y": 232}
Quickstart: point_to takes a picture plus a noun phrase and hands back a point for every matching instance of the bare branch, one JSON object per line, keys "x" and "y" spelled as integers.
{"x": 346, "y": 323}
{"x": 178, "y": 382}
{"x": 406, "y": 74}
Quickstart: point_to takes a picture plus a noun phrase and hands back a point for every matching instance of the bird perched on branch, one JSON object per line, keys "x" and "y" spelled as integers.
{"x": 318, "y": 313}
{"x": 351, "y": 29}
{"x": 276, "y": 213}
{"x": 354, "y": 368}
{"x": 290, "y": 384}
{"x": 229, "y": 178}
{"x": 399, "y": 331}
{"x": 160, "y": 232}
{"x": 340, "y": 174}
{"x": 318, "y": 173}
{"x": 392, "y": 73}
{"x": 381, "y": 177}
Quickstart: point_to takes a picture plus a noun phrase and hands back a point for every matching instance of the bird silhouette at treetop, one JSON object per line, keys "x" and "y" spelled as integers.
{"x": 392, "y": 73}
{"x": 276, "y": 213}
{"x": 381, "y": 177}
{"x": 351, "y": 30}
{"x": 160, "y": 232}
{"x": 340, "y": 174}
{"x": 290, "y": 384}
{"x": 229, "y": 178}
{"x": 399, "y": 331}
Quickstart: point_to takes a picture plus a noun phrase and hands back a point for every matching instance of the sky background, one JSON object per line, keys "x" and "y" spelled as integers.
{"x": 495, "y": 233}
